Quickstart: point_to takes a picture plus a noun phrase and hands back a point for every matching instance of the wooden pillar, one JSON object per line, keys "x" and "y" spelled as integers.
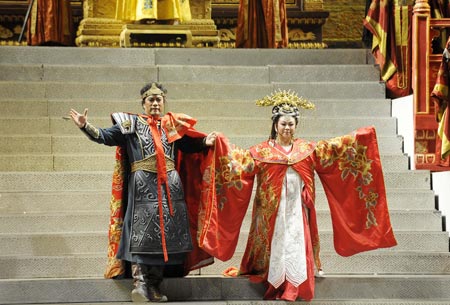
{"x": 420, "y": 56}
{"x": 425, "y": 68}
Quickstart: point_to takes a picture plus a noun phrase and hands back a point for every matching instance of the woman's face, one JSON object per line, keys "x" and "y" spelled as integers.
{"x": 285, "y": 128}
{"x": 154, "y": 105}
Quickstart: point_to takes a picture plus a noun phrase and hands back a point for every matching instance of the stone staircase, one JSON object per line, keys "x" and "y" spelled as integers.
{"x": 55, "y": 184}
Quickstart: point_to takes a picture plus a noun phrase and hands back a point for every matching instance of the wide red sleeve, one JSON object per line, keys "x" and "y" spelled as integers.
{"x": 350, "y": 170}
{"x": 226, "y": 191}
{"x": 192, "y": 168}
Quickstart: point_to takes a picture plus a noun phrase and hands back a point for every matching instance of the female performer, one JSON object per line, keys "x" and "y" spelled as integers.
{"x": 283, "y": 244}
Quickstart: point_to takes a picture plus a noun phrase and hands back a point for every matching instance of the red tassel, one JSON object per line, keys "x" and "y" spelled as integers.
{"x": 161, "y": 172}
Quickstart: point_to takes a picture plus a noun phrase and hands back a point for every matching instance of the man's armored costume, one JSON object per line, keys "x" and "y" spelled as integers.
{"x": 156, "y": 225}
{"x": 161, "y": 165}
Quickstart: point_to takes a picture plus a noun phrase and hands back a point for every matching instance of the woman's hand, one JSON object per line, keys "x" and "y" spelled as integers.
{"x": 79, "y": 119}
{"x": 211, "y": 139}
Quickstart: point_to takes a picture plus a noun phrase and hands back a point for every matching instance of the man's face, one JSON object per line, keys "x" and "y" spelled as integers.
{"x": 154, "y": 105}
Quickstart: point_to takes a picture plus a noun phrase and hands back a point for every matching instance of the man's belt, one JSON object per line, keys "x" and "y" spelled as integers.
{"x": 149, "y": 164}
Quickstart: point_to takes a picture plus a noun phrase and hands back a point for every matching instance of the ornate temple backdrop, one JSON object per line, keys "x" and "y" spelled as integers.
{"x": 312, "y": 23}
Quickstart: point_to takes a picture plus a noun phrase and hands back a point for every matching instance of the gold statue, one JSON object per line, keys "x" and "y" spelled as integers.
{"x": 145, "y": 11}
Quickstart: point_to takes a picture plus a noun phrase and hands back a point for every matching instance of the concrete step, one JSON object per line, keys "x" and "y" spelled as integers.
{"x": 308, "y": 72}
{"x": 309, "y": 90}
{"x": 257, "y": 57}
{"x": 373, "y": 262}
{"x": 167, "y": 56}
{"x": 50, "y": 162}
{"x": 307, "y": 127}
{"x": 27, "y": 162}
{"x": 101, "y": 181}
{"x": 388, "y": 144}
{"x": 268, "y": 74}
{"x": 195, "y": 108}
{"x": 93, "y": 265}
{"x": 98, "y": 200}
{"x": 30, "y": 108}
{"x": 38, "y": 108}
{"x": 324, "y": 108}
{"x": 38, "y": 144}
{"x": 400, "y": 220}
{"x": 130, "y": 90}
{"x": 77, "y": 56}
{"x": 54, "y": 243}
{"x": 78, "y": 243}
{"x": 278, "y": 302}
{"x": 407, "y": 241}
{"x": 330, "y": 290}
{"x": 98, "y": 221}
{"x": 26, "y": 126}
{"x": 181, "y": 73}
{"x": 75, "y": 142}
{"x": 73, "y": 73}
{"x": 104, "y": 162}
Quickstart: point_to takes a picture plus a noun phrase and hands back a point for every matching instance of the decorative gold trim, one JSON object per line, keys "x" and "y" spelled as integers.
{"x": 307, "y": 45}
{"x": 298, "y": 35}
{"x": 181, "y": 35}
{"x": 92, "y": 130}
{"x": 149, "y": 164}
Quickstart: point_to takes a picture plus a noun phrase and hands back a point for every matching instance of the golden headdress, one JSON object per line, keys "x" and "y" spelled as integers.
{"x": 285, "y": 103}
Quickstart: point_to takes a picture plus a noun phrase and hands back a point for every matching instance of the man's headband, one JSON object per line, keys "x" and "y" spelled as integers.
{"x": 154, "y": 90}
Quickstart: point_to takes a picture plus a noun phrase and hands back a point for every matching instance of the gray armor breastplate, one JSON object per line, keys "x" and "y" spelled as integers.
{"x": 145, "y": 227}
{"x": 146, "y": 140}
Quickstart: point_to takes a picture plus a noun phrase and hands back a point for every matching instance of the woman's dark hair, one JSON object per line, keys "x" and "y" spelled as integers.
{"x": 273, "y": 132}
{"x": 149, "y": 85}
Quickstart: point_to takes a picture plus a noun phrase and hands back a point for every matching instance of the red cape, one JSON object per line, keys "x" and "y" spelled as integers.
{"x": 193, "y": 170}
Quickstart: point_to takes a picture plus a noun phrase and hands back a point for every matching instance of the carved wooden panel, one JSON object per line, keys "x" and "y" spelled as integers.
{"x": 200, "y": 9}
{"x": 344, "y": 25}
{"x": 99, "y": 8}
{"x": 236, "y": 2}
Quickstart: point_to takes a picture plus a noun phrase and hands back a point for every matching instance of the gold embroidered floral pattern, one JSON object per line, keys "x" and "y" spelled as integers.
{"x": 353, "y": 162}
{"x": 371, "y": 201}
{"x": 232, "y": 166}
{"x": 265, "y": 207}
{"x": 265, "y": 153}
{"x": 115, "y": 266}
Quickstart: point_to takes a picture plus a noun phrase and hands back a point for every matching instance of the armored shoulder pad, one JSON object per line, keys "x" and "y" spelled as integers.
{"x": 126, "y": 121}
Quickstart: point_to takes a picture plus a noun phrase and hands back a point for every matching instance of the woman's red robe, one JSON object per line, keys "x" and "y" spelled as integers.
{"x": 349, "y": 168}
